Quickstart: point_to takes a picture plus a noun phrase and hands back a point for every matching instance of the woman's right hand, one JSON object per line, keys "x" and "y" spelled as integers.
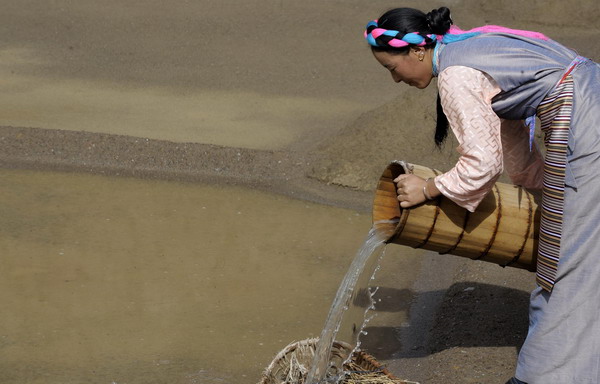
{"x": 410, "y": 190}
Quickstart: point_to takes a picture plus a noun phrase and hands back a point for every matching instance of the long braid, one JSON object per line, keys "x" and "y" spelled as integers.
{"x": 441, "y": 124}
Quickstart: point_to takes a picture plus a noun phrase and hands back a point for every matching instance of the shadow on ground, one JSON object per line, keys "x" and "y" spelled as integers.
{"x": 471, "y": 315}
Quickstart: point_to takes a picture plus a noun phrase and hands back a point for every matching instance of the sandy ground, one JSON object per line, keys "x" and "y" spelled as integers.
{"x": 130, "y": 280}
{"x": 281, "y": 96}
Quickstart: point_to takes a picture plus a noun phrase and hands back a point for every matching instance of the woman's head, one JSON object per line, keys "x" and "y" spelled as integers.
{"x": 402, "y": 40}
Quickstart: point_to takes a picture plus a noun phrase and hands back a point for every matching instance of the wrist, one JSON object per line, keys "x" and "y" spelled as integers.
{"x": 426, "y": 190}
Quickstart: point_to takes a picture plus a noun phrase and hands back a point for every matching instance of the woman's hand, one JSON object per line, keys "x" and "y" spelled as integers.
{"x": 410, "y": 190}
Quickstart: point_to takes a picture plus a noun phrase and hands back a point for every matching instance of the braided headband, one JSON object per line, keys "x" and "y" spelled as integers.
{"x": 454, "y": 34}
{"x": 372, "y": 32}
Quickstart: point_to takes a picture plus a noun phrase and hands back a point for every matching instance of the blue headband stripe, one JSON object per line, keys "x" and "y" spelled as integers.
{"x": 390, "y": 33}
{"x": 452, "y": 38}
{"x": 371, "y": 40}
{"x": 413, "y": 38}
{"x": 371, "y": 23}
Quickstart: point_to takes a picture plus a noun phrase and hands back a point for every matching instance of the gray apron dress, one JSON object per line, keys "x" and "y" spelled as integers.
{"x": 563, "y": 343}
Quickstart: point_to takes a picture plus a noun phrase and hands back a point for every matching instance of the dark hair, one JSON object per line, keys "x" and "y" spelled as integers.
{"x": 407, "y": 20}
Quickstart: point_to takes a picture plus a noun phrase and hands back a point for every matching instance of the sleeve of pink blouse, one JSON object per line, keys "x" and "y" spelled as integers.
{"x": 487, "y": 144}
{"x": 466, "y": 96}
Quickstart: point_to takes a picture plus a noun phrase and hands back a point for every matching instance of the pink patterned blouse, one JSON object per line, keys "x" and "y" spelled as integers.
{"x": 487, "y": 144}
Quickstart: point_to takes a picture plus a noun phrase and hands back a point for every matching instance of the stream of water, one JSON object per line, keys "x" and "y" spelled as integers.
{"x": 348, "y": 315}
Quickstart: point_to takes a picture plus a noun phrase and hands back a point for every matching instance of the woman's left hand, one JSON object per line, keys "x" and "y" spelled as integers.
{"x": 410, "y": 190}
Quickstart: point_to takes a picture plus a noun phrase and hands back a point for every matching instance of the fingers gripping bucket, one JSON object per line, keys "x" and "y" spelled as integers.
{"x": 502, "y": 230}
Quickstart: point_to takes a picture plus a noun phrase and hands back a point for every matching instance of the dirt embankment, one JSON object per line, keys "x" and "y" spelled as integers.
{"x": 401, "y": 129}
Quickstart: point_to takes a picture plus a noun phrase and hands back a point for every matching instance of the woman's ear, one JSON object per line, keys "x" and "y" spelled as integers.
{"x": 420, "y": 52}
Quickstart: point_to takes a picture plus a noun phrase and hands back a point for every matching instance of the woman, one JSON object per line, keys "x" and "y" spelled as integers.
{"x": 492, "y": 83}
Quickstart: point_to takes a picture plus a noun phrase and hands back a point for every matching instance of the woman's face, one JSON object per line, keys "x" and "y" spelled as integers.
{"x": 414, "y": 68}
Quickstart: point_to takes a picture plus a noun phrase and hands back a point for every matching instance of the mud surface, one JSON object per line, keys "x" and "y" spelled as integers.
{"x": 139, "y": 281}
{"x": 277, "y": 97}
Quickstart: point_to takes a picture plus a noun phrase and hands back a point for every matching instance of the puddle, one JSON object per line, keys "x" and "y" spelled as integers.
{"x": 116, "y": 280}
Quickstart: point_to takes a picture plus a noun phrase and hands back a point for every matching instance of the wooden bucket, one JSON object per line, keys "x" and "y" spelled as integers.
{"x": 502, "y": 230}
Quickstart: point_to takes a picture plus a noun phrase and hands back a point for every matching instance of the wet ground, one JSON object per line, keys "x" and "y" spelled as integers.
{"x": 135, "y": 281}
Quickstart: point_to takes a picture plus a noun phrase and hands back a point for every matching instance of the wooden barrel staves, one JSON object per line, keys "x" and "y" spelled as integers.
{"x": 502, "y": 230}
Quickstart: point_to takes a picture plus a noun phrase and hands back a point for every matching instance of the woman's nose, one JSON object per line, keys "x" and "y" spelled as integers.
{"x": 396, "y": 78}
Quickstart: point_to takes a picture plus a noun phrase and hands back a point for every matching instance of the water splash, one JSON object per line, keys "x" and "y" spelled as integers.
{"x": 344, "y": 326}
